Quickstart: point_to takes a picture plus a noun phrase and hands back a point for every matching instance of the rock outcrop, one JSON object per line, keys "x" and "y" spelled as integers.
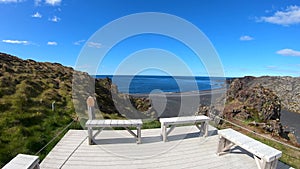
{"x": 252, "y": 102}
{"x": 247, "y": 103}
{"x": 286, "y": 88}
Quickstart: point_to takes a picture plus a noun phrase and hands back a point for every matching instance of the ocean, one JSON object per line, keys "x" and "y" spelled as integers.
{"x": 154, "y": 84}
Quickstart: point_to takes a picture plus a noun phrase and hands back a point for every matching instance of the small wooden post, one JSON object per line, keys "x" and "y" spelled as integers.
{"x": 90, "y": 104}
{"x": 53, "y": 105}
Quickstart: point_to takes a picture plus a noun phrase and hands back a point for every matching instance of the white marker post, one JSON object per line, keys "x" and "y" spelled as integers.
{"x": 90, "y": 105}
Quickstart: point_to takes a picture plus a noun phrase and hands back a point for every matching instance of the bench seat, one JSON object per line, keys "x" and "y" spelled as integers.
{"x": 266, "y": 157}
{"x": 102, "y": 123}
{"x": 23, "y": 161}
{"x": 173, "y": 121}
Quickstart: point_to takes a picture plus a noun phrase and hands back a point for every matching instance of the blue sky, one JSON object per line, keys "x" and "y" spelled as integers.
{"x": 257, "y": 37}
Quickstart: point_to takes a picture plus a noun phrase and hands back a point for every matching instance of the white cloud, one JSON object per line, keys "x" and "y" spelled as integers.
{"x": 53, "y": 2}
{"x": 78, "y": 42}
{"x": 288, "y": 52}
{"x": 246, "y": 38}
{"x": 95, "y": 45}
{"x": 52, "y": 43}
{"x": 289, "y": 16}
{"x": 24, "y": 42}
{"x": 36, "y": 15}
{"x": 54, "y": 19}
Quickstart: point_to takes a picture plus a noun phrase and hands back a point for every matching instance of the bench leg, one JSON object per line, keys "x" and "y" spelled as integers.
{"x": 272, "y": 164}
{"x": 170, "y": 130}
{"x": 161, "y": 129}
{"x": 139, "y": 140}
{"x": 137, "y": 136}
{"x": 204, "y": 128}
{"x": 262, "y": 164}
{"x": 164, "y": 133}
{"x": 90, "y": 135}
{"x": 224, "y": 145}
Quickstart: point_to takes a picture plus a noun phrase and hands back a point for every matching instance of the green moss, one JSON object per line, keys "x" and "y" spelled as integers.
{"x": 149, "y": 124}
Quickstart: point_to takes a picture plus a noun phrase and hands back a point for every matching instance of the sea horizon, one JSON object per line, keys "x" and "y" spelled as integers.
{"x": 145, "y": 84}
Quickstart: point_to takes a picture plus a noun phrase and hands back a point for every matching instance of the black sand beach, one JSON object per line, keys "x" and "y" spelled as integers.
{"x": 181, "y": 104}
{"x": 169, "y": 104}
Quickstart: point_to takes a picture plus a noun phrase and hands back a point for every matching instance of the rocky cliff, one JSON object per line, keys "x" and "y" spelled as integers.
{"x": 286, "y": 88}
{"x": 252, "y": 101}
{"x": 254, "y": 105}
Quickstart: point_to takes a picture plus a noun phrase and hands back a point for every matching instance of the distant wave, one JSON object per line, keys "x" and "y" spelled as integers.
{"x": 141, "y": 84}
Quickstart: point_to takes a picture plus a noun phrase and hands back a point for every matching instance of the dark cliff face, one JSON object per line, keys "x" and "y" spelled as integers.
{"x": 258, "y": 101}
{"x": 253, "y": 102}
{"x": 248, "y": 103}
{"x": 286, "y": 88}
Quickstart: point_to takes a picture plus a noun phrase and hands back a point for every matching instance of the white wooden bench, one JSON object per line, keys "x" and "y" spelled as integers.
{"x": 23, "y": 161}
{"x": 266, "y": 157}
{"x": 102, "y": 123}
{"x": 90, "y": 124}
{"x": 173, "y": 121}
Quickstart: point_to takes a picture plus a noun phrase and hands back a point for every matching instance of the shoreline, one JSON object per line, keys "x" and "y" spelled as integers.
{"x": 172, "y": 101}
{"x": 177, "y": 94}
{"x": 170, "y": 104}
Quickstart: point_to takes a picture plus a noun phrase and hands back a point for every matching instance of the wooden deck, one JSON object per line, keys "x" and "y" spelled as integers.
{"x": 117, "y": 149}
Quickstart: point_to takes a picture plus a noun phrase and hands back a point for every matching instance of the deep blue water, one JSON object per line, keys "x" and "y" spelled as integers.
{"x": 154, "y": 84}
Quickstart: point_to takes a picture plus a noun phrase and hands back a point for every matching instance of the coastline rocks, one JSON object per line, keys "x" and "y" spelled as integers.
{"x": 254, "y": 102}
{"x": 286, "y": 88}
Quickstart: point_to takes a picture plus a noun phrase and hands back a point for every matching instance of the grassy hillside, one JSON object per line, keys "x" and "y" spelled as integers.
{"x": 28, "y": 89}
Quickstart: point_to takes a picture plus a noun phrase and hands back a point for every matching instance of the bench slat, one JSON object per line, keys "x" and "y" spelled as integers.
{"x": 113, "y": 123}
{"x": 136, "y": 121}
{"x": 98, "y": 122}
{"x": 107, "y": 122}
{"x": 183, "y": 119}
